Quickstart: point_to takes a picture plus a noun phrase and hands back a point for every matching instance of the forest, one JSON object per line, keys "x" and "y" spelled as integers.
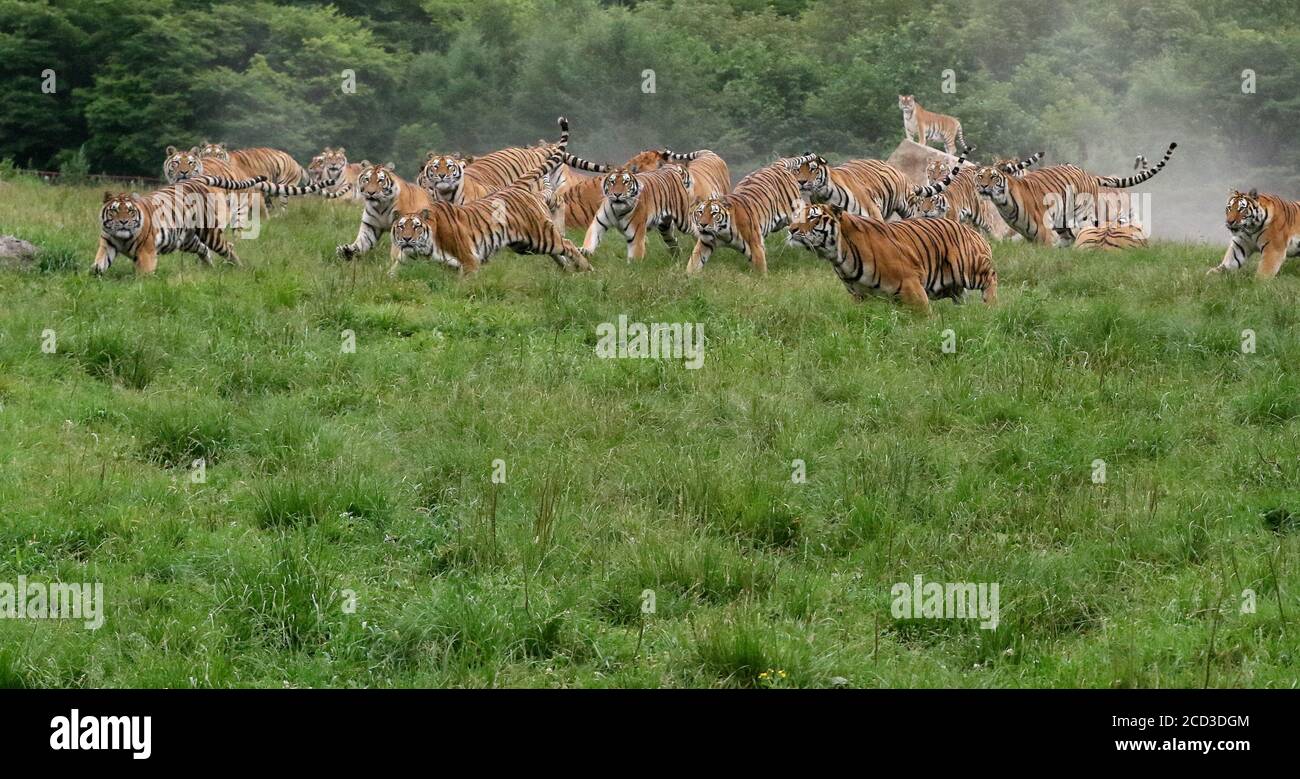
{"x": 105, "y": 87}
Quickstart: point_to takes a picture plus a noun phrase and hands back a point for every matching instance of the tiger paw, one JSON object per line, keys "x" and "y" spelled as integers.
{"x": 344, "y": 252}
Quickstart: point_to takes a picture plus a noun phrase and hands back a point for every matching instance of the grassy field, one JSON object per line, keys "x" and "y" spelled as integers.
{"x": 362, "y": 479}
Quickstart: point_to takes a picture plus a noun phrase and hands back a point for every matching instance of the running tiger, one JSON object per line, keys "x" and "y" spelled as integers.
{"x": 583, "y": 196}
{"x": 861, "y": 187}
{"x": 922, "y": 126}
{"x": 277, "y": 166}
{"x": 763, "y": 202}
{"x": 332, "y": 165}
{"x": 913, "y": 259}
{"x": 635, "y": 202}
{"x": 465, "y": 236}
{"x": 1035, "y": 206}
{"x": 1264, "y": 224}
{"x": 187, "y": 216}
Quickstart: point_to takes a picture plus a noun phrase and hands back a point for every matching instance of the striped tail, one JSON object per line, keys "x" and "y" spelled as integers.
{"x": 1123, "y": 182}
{"x": 284, "y": 190}
{"x": 1024, "y": 164}
{"x": 563, "y": 143}
{"x": 581, "y": 164}
{"x": 961, "y": 138}
{"x": 672, "y": 155}
{"x": 336, "y": 193}
{"x": 221, "y": 182}
{"x": 939, "y": 186}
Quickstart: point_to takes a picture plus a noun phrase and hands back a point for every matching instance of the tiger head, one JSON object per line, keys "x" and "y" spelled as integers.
{"x": 621, "y": 187}
{"x": 991, "y": 182}
{"x": 933, "y": 206}
{"x": 712, "y": 216}
{"x": 816, "y": 228}
{"x": 122, "y": 216}
{"x": 378, "y": 183}
{"x": 217, "y": 150}
{"x": 413, "y": 234}
{"x": 1245, "y": 212}
{"x": 328, "y": 165}
{"x": 907, "y": 103}
{"x": 936, "y": 169}
{"x": 182, "y": 165}
{"x": 647, "y": 160}
{"x": 811, "y": 172}
{"x": 442, "y": 173}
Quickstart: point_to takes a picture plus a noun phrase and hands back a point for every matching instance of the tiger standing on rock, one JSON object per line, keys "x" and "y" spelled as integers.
{"x": 763, "y": 202}
{"x": 922, "y": 126}
{"x": 913, "y": 259}
{"x": 1260, "y": 224}
{"x": 635, "y": 202}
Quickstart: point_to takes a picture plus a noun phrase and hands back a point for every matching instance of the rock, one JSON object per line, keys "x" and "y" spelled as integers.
{"x": 16, "y": 253}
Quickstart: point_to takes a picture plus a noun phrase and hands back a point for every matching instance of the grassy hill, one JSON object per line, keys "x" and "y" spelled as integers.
{"x": 348, "y": 533}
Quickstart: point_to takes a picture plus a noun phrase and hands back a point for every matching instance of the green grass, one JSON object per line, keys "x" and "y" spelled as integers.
{"x": 335, "y": 477}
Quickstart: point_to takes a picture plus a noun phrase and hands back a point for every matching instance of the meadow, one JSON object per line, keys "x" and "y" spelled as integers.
{"x": 347, "y": 531}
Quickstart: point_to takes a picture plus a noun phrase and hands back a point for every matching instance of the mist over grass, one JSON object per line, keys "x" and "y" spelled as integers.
{"x": 365, "y": 477}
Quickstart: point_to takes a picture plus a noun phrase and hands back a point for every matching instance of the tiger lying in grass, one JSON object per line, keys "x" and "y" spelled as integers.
{"x": 914, "y": 259}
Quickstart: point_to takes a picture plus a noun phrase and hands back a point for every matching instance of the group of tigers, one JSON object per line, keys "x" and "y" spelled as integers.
{"x": 880, "y": 233}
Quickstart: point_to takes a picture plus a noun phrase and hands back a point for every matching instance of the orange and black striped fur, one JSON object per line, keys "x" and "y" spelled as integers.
{"x": 914, "y": 259}
{"x": 186, "y": 216}
{"x": 277, "y": 166}
{"x": 332, "y": 165}
{"x": 960, "y": 201}
{"x": 923, "y": 126}
{"x": 582, "y": 196}
{"x": 1016, "y": 167}
{"x": 465, "y": 236}
{"x": 635, "y": 202}
{"x": 384, "y": 196}
{"x": 184, "y": 165}
{"x": 861, "y": 187}
{"x": 1046, "y": 205}
{"x": 1263, "y": 224}
{"x": 1110, "y": 236}
{"x": 763, "y": 202}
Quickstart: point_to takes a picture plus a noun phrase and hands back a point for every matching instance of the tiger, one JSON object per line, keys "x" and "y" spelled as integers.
{"x": 634, "y": 202}
{"x": 466, "y": 236}
{"x": 582, "y": 196}
{"x": 1036, "y": 206}
{"x": 913, "y": 259}
{"x": 279, "y": 167}
{"x": 922, "y": 126}
{"x": 862, "y": 187}
{"x": 384, "y": 195}
{"x": 1110, "y": 236}
{"x": 1261, "y": 223}
{"x": 332, "y": 164}
{"x": 710, "y": 176}
{"x": 959, "y": 201}
{"x": 185, "y": 165}
{"x": 186, "y": 216}
{"x": 763, "y": 202}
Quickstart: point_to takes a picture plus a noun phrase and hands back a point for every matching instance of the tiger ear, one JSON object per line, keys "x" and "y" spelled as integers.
{"x": 171, "y": 150}
{"x": 107, "y": 196}
{"x": 340, "y": 150}
{"x": 135, "y": 195}
{"x": 425, "y": 214}
{"x": 467, "y": 160}
{"x": 1254, "y": 193}
{"x": 633, "y": 168}
{"x": 388, "y": 165}
{"x": 821, "y": 160}
{"x": 367, "y": 164}
{"x": 430, "y": 156}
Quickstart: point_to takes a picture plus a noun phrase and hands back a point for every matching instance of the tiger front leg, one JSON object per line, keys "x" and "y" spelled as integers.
{"x": 635, "y": 235}
{"x": 669, "y": 237}
{"x": 700, "y": 255}
{"x": 913, "y": 295}
{"x": 756, "y": 252}
{"x": 1272, "y": 260}
{"x": 595, "y": 231}
{"x": 1233, "y": 258}
{"x": 146, "y": 262}
{"x": 104, "y": 257}
{"x": 364, "y": 241}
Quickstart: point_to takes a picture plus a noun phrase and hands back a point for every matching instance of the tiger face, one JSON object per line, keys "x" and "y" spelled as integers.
{"x": 442, "y": 174}
{"x": 991, "y": 182}
{"x": 907, "y": 103}
{"x": 932, "y": 206}
{"x": 378, "y": 183}
{"x": 811, "y": 174}
{"x": 1244, "y": 213}
{"x": 935, "y": 170}
{"x": 711, "y": 217}
{"x": 816, "y": 228}
{"x": 122, "y": 216}
{"x": 217, "y": 150}
{"x": 328, "y": 165}
{"x": 621, "y": 187}
{"x": 182, "y": 165}
{"x": 412, "y": 233}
